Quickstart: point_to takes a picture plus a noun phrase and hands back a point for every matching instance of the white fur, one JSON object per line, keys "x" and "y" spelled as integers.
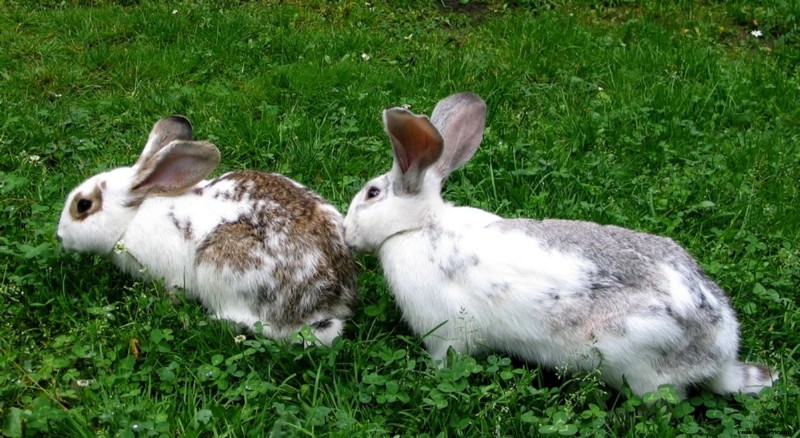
{"x": 98, "y": 233}
{"x": 169, "y": 256}
{"x": 469, "y": 304}
{"x": 679, "y": 292}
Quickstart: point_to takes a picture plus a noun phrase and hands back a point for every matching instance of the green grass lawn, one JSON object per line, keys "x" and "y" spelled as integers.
{"x": 677, "y": 118}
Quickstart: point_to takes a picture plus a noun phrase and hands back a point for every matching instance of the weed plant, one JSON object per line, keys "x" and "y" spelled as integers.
{"x": 677, "y": 118}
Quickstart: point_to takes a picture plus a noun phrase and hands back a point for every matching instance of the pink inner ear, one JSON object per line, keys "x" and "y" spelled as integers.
{"x": 402, "y": 156}
{"x": 415, "y": 140}
{"x": 175, "y": 172}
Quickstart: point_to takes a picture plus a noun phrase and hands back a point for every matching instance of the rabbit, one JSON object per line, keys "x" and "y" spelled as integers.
{"x": 563, "y": 294}
{"x": 250, "y": 246}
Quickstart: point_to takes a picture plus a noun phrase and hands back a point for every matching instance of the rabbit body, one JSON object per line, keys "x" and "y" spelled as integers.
{"x": 250, "y": 246}
{"x": 531, "y": 289}
{"x": 559, "y": 293}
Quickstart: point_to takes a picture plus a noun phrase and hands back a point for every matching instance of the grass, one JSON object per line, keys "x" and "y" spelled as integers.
{"x": 669, "y": 117}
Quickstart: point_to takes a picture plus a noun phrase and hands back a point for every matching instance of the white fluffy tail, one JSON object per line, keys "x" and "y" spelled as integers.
{"x": 741, "y": 377}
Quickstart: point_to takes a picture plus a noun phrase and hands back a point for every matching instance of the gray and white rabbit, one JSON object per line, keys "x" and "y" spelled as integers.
{"x": 251, "y": 246}
{"x": 558, "y": 293}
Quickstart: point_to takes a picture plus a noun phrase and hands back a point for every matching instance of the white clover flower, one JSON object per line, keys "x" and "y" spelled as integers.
{"x": 174, "y": 11}
{"x": 365, "y": 57}
{"x": 757, "y": 33}
{"x": 239, "y": 339}
{"x": 83, "y": 383}
{"x": 34, "y": 158}
{"x": 119, "y": 247}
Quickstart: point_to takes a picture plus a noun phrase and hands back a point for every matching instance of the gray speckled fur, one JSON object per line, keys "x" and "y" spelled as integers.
{"x": 458, "y": 262}
{"x": 626, "y": 274}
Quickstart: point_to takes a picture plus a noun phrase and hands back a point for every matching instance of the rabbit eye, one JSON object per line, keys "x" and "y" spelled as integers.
{"x": 373, "y": 192}
{"x": 84, "y": 205}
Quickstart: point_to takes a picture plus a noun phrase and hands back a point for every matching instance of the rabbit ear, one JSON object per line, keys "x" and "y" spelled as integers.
{"x": 165, "y": 131}
{"x": 460, "y": 118}
{"x": 175, "y": 168}
{"x": 416, "y": 144}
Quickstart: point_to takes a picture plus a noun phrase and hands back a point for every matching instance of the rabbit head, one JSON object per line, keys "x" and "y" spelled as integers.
{"x": 98, "y": 211}
{"x": 425, "y": 152}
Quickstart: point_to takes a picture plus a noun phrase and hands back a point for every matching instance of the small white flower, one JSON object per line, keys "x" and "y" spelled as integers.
{"x": 239, "y": 339}
{"x": 119, "y": 247}
{"x": 757, "y": 33}
{"x": 599, "y": 88}
{"x": 365, "y": 57}
{"x": 407, "y": 105}
{"x": 83, "y": 383}
{"x": 34, "y": 158}
{"x": 408, "y": 37}
{"x": 174, "y": 11}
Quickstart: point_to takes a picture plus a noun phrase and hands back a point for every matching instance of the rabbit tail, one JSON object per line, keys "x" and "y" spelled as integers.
{"x": 742, "y": 377}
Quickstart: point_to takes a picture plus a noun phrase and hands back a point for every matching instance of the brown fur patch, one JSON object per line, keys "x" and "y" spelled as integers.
{"x": 85, "y": 205}
{"x": 288, "y": 209}
{"x": 185, "y": 228}
{"x": 230, "y": 244}
{"x": 134, "y": 202}
{"x": 292, "y": 227}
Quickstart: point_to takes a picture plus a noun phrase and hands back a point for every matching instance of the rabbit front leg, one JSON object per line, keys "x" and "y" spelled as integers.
{"x": 458, "y": 333}
{"x": 438, "y": 347}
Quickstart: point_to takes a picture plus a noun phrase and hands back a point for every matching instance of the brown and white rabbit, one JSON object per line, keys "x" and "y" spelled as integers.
{"x": 251, "y": 246}
{"x": 554, "y": 292}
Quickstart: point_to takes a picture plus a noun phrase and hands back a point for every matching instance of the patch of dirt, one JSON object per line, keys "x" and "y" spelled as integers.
{"x": 469, "y": 7}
